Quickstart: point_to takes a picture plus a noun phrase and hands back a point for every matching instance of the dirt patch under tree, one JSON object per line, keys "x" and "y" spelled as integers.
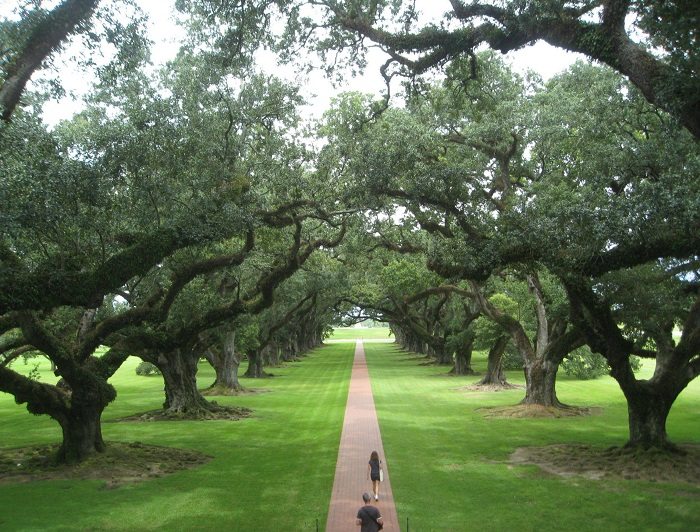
{"x": 536, "y": 411}
{"x": 618, "y": 463}
{"x": 221, "y": 413}
{"x": 489, "y": 387}
{"x": 225, "y": 391}
{"x": 121, "y": 463}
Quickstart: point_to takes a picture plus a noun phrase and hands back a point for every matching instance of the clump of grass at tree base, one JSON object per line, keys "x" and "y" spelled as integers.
{"x": 449, "y": 464}
{"x": 270, "y": 472}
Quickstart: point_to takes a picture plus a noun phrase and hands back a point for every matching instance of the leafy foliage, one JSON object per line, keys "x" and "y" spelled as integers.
{"x": 146, "y": 369}
{"x": 582, "y": 364}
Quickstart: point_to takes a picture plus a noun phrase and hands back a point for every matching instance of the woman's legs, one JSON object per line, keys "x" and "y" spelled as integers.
{"x": 375, "y": 488}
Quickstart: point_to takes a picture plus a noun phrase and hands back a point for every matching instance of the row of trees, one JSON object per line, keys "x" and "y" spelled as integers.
{"x": 583, "y": 182}
{"x": 183, "y": 214}
{"x": 578, "y": 188}
{"x": 166, "y": 220}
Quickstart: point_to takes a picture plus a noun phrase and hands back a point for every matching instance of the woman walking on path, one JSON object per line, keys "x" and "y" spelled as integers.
{"x": 374, "y": 473}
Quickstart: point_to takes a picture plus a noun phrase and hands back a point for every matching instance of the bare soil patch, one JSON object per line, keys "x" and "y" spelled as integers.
{"x": 221, "y": 413}
{"x": 489, "y": 387}
{"x": 121, "y": 463}
{"x": 224, "y": 391}
{"x": 652, "y": 465}
{"x": 536, "y": 411}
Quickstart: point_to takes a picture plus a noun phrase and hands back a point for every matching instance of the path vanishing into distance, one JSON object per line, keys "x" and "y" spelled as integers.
{"x": 359, "y": 438}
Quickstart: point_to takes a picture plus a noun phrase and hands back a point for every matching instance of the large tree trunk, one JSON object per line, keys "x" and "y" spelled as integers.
{"x": 77, "y": 411}
{"x": 413, "y": 344}
{"x": 647, "y": 420}
{"x": 82, "y": 434}
{"x": 226, "y": 364}
{"x": 273, "y": 355}
{"x": 255, "y": 365}
{"x": 292, "y": 349}
{"x": 494, "y": 371}
{"x": 227, "y": 374}
{"x": 540, "y": 383}
{"x": 463, "y": 361}
{"x": 541, "y": 360}
{"x": 399, "y": 337}
{"x": 442, "y": 356}
{"x": 81, "y": 421}
{"x": 649, "y": 402}
{"x": 179, "y": 371}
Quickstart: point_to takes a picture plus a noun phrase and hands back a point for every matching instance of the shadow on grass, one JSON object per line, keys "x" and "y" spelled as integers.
{"x": 536, "y": 411}
{"x": 217, "y": 413}
{"x": 617, "y": 463}
{"x": 120, "y": 464}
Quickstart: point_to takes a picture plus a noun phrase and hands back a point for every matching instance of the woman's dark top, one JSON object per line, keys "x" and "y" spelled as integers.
{"x": 374, "y": 469}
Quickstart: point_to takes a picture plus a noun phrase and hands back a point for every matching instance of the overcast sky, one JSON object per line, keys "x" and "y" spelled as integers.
{"x": 542, "y": 58}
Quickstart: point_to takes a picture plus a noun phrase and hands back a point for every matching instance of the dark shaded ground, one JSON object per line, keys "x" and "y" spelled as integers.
{"x": 224, "y": 391}
{"x": 489, "y": 387}
{"x": 120, "y": 464}
{"x": 651, "y": 465}
{"x": 525, "y": 411}
{"x": 217, "y": 412}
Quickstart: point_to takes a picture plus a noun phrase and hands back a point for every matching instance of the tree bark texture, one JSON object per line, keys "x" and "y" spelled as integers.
{"x": 292, "y": 350}
{"x": 541, "y": 360}
{"x": 255, "y": 364}
{"x": 647, "y": 413}
{"x": 226, "y": 364}
{"x": 540, "y": 383}
{"x": 441, "y": 356}
{"x": 463, "y": 362}
{"x": 179, "y": 369}
{"x": 77, "y": 409}
{"x": 648, "y": 401}
{"x": 82, "y": 433}
{"x": 494, "y": 369}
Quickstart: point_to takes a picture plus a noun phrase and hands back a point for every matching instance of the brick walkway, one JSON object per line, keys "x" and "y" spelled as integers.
{"x": 359, "y": 438}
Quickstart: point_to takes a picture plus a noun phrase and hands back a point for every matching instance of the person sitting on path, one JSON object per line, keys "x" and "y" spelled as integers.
{"x": 368, "y": 517}
{"x": 374, "y": 471}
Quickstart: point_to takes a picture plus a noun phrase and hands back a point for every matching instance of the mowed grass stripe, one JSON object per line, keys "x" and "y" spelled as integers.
{"x": 357, "y": 333}
{"x": 273, "y": 471}
{"x": 449, "y": 469}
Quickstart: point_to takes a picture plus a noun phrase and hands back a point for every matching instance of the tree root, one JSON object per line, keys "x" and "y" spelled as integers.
{"x": 223, "y": 390}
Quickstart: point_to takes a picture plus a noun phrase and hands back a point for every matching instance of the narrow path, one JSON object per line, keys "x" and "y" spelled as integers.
{"x": 359, "y": 438}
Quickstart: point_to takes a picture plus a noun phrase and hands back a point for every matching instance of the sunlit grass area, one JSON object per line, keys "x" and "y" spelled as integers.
{"x": 273, "y": 471}
{"x": 449, "y": 467}
{"x": 367, "y": 334}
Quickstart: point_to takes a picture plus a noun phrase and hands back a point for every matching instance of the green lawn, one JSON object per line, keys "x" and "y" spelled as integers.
{"x": 365, "y": 334}
{"x": 274, "y": 472}
{"x": 448, "y": 467}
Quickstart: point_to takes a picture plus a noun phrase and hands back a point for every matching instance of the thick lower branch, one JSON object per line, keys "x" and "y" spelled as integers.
{"x": 44, "y": 40}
